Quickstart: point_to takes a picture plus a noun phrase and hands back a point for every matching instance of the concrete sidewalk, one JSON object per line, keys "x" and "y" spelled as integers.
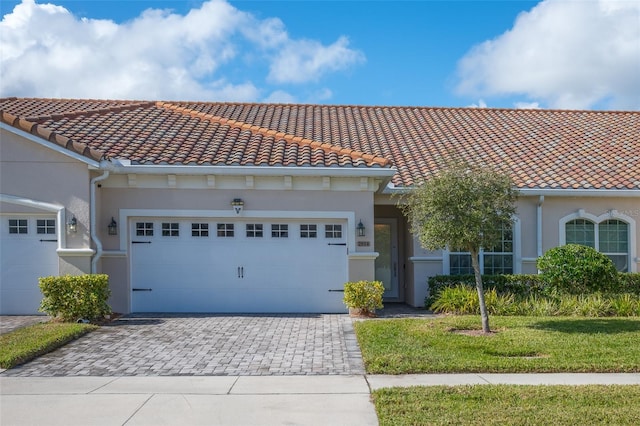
{"x": 231, "y": 400}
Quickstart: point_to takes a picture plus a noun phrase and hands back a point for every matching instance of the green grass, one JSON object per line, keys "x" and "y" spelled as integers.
{"x": 520, "y": 345}
{"x": 26, "y": 343}
{"x": 509, "y": 405}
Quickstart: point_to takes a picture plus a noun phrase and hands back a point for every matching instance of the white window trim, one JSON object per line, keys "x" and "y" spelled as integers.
{"x": 611, "y": 214}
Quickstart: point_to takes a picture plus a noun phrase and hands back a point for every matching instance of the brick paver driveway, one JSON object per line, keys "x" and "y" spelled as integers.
{"x": 159, "y": 345}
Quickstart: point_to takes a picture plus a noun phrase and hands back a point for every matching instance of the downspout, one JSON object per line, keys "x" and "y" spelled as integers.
{"x": 93, "y": 227}
{"x": 539, "y": 225}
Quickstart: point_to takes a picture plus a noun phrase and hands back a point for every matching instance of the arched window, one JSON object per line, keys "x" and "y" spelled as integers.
{"x": 610, "y": 237}
{"x": 581, "y": 231}
{"x": 614, "y": 242}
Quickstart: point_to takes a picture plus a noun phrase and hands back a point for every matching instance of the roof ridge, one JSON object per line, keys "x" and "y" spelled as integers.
{"x": 327, "y": 147}
{"x": 45, "y": 133}
{"x": 412, "y": 107}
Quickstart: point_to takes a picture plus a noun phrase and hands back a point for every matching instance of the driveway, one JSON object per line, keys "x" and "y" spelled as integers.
{"x": 207, "y": 345}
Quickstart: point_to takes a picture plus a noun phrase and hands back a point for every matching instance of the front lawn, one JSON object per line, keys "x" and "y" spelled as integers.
{"x": 26, "y": 343}
{"x": 520, "y": 345}
{"x": 508, "y": 405}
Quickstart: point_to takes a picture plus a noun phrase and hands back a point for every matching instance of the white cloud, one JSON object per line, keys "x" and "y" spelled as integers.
{"x": 307, "y": 60}
{"x": 47, "y": 51}
{"x": 481, "y": 104}
{"x": 566, "y": 54}
{"x": 527, "y": 105}
{"x": 280, "y": 97}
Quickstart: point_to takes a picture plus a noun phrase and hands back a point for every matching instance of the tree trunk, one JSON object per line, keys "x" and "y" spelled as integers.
{"x": 483, "y": 307}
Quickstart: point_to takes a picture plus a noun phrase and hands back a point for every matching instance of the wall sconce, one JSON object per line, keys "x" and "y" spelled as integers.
{"x": 113, "y": 227}
{"x": 360, "y": 229}
{"x": 72, "y": 225}
{"x": 237, "y": 205}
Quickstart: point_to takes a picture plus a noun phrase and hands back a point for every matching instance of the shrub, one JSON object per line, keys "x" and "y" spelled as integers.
{"x": 577, "y": 269}
{"x": 628, "y": 283}
{"x": 75, "y": 297}
{"x": 518, "y": 285}
{"x": 460, "y": 300}
{"x": 364, "y": 295}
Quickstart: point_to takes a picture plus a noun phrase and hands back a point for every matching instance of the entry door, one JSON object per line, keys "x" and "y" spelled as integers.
{"x": 386, "y": 244}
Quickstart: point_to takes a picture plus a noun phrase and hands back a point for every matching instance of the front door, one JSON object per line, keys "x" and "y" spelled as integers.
{"x": 386, "y": 244}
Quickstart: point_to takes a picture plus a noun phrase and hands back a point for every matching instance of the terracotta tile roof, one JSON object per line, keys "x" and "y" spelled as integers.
{"x": 539, "y": 148}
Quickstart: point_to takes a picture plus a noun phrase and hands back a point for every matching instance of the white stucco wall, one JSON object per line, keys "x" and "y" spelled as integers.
{"x": 31, "y": 171}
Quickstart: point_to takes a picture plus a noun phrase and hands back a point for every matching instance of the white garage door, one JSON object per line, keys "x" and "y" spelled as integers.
{"x": 230, "y": 265}
{"x": 28, "y": 251}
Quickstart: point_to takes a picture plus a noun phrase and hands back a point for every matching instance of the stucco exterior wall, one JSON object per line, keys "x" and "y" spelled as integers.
{"x": 32, "y": 171}
{"x": 530, "y": 240}
{"x": 113, "y": 200}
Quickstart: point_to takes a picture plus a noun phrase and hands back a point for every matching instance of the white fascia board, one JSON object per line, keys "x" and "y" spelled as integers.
{"x": 124, "y": 167}
{"x": 43, "y": 142}
{"x": 580, "y": 192}
{"x": 391, "y": 189}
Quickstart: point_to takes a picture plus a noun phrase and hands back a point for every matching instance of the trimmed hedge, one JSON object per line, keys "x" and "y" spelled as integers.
{"x": 74, "y": 297}
{"x": 519, "y": 285}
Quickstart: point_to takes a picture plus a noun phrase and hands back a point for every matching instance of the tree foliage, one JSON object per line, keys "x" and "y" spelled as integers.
{"x": 464, "y": 207}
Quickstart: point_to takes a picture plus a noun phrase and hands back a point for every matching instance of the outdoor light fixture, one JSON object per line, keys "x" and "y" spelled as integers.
{"x": 237, "y": 205}
{"x": 113, "y": 227}
{"x": 72, "y": 225}
{"x": 360, "y": 229}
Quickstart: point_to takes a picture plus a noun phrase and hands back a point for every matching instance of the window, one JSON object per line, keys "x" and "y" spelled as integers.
{"x": 46, "y": 226}
{"x": 144, "y": 229}
{"x": 199, "y": 229}
{"x": 254, "y": 230}
{"x": 18, "y": 226}
{"x": 581, "y": 231}
{"x": 333, "y": 231}
{"x": 614, "y": 242}
{"x": 279, "y": 230}
{"x": 308, "y": 231}
{"x": 610, "y": 237}
{"x": 171, "y": 229}
{"x": 225, "y": 230}
{"x": 493, "y": 261}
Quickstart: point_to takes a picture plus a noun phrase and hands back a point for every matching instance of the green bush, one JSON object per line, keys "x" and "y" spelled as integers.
{"x": 578, "y": 269}
{"x": 463, "y": 300}
{"x": 75, "y": 297}
{"x": 364, "y": 295}
{"x": 518, "y": 285}
{"x": 628, "y": 283}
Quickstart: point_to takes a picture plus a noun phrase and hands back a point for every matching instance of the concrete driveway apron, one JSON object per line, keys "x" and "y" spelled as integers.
{"x": 202, "y": 345}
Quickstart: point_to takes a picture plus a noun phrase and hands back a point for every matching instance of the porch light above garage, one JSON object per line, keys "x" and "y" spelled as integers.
{"x": 360, "y": 229}
{"x": 237, "y": 205}
{"x": 72, "y": 225}
{"x": 113, "y": 227}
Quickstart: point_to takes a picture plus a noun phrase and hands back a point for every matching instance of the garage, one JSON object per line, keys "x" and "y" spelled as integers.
{"x": 233, "y": 265}
{"x": 28, "y": 246}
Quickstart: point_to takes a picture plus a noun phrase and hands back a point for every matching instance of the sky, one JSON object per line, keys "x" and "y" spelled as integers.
{"x": 552, "y": 54}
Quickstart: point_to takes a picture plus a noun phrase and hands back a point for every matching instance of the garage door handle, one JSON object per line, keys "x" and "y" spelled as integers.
{"x": 341, "y": 290}
{"x": 337, "y": 244}
{"x": 141, "y": 289}
{"x": 140, "y": 242}
{"x": 240, "y": 271}
{"x": 48, "y": 241}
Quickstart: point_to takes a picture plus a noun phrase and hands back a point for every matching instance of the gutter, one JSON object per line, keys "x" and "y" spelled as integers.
{"x": 548, "y": 192}
{"x": 93, "y": 227}
{"x": 125, "y": 167}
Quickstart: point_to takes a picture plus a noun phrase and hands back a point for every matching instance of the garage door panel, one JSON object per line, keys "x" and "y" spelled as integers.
{"x": 24, "y": 259}
{"x": 242, "y": 272}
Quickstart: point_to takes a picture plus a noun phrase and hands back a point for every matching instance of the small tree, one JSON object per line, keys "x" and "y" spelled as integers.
{"x": 463, "y": 207}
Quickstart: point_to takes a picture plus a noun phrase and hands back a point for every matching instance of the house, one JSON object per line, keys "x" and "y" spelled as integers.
{"x": 233, "y": 207}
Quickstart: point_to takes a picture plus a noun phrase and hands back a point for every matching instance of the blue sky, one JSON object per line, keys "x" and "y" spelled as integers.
{"x": 577, "y": 54}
